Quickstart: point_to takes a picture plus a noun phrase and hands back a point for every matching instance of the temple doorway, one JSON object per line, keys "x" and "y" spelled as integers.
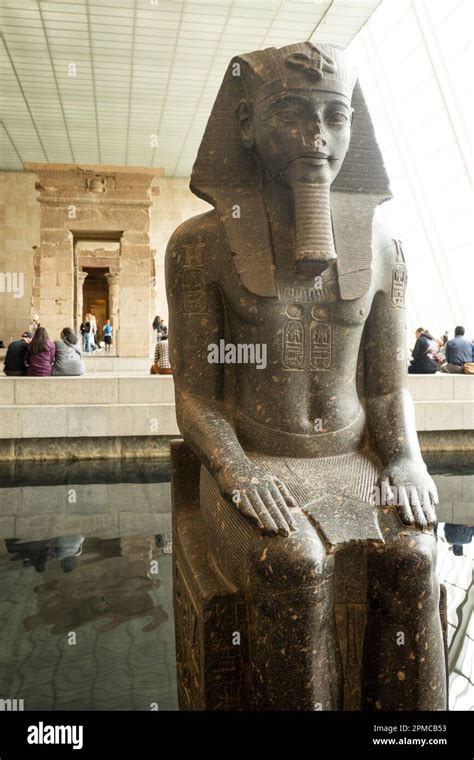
{"x": 95, "y": 296}
{"x": 97, "y": 282}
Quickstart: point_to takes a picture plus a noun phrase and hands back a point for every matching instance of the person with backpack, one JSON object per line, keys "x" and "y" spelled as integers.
{"x": 424, "y": 354}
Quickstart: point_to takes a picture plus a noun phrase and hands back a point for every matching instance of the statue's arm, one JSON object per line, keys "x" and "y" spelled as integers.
{"x": 196, "y": 320}
{"x": 390, "y": 409}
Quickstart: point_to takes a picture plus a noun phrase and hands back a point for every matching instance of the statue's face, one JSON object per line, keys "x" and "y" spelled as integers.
{"x": 299, "y": 136}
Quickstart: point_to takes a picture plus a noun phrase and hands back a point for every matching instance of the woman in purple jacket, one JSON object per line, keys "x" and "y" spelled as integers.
{"x": 40, "y": 354}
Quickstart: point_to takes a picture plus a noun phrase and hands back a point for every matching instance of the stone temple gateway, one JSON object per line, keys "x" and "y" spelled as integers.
{"x": 95, "y": 226}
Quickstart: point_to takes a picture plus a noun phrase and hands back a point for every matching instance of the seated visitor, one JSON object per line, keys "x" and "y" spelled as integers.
{"x": 162, "y": 365}
{"x": 424, "y": 354}
{"x": 68, "y": 359}
{"x": 108, "y": 335}
{"x": 40, "y": 354}
{"x": 458, "y": 352}
{"x": 442, "y": 347}
{"x": 15, "y": 358}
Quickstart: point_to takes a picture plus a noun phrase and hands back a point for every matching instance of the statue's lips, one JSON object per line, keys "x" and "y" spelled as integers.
{"x": 315, "y": 159}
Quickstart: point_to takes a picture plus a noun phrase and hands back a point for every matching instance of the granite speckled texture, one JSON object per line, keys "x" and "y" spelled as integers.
{"x": 303, "y": 510}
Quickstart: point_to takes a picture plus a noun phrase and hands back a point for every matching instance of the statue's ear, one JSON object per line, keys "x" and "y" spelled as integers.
{"x": 244, "y": 116}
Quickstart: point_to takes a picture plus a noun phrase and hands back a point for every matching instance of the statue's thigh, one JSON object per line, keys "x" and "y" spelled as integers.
{"x": 246, "y": 557}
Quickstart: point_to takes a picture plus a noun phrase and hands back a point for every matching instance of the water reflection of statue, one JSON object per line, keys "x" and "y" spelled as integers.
{"x": 292, "y": 453}
{"x": 108, "y": 589}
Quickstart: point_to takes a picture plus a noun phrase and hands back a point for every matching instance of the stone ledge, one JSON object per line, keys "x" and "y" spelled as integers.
{"x": 14, "y": 450}
{"x": 441, "y": 387}
{"x": 90, "y": 390}
{"x": 444, "y": 415}
{"x": 126, "y": 405}
{"x": 95, "y": 421}
{"x": 134, "y": 449}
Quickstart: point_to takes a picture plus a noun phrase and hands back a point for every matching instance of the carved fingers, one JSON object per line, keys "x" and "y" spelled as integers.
{"x": 413, "y": 493}
{"x": 267, "y": 503}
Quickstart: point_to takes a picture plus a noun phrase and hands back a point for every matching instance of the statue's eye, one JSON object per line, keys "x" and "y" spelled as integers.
{"x": 288, "y": 114}
{"x": 337, "y": 119}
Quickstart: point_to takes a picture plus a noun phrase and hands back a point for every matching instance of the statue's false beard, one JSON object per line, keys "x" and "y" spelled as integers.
{"x": 313, "y": 228}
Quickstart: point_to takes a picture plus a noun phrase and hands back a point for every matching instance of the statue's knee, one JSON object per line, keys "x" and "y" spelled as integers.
{"x": 419, "y": 567}
{"x": 410, "y": 565}
{"x": 284, "y": 563}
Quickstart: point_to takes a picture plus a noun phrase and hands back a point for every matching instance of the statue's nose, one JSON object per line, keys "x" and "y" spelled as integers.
{"x": 314, "y": 134}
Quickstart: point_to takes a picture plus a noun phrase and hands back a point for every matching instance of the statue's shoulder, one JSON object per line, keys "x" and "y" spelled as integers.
{"x": 202, "y": 231}
{"x": 387, "y": 250}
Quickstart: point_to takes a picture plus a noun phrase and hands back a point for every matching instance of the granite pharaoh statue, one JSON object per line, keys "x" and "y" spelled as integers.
{"x": 315, "y": 510}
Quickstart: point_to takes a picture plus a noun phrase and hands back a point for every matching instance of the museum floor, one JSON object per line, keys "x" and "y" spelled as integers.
{"x": 85, "y": 548}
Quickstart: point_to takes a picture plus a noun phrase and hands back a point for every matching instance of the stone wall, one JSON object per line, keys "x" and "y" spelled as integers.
{"x": 172, "y": 204}
{"x": 19, "y": 232}
{"x": 80, "y": 203}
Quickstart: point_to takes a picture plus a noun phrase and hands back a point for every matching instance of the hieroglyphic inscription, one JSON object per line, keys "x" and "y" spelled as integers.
{"x": 227, "y": 663}
{"x": 193, "y": 281}
{"x": 295, "y": 334}
{"x": 204, "y": 634}
{"x": 399, "y": 277}
{"x": 293, "y": 344}
{"x": 320, "y": 352}
{"x": 188, "y": 645}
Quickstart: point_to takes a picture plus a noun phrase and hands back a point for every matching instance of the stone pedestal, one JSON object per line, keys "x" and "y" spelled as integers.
{"x": 213, "y": 671}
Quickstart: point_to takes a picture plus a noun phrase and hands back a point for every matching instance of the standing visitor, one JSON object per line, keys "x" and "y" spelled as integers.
{"x": 85, "y": 329}
{"x": 93, "y": 330}
{"x": 40, "y": 354}
{"x": 108, "y": 329}
{"x": 35, "y": 323}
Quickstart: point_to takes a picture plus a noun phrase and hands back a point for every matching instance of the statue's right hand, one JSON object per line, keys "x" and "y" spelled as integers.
{"x": 263, "y": 498}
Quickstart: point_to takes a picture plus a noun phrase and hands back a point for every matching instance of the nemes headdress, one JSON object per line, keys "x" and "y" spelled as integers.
{"x": 226, "y": 174}
{"x": 303, "y": 66}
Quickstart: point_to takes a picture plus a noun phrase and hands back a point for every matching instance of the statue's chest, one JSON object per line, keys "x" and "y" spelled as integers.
{"x": 306, "y": 328}
{"x": 296, "y": 304}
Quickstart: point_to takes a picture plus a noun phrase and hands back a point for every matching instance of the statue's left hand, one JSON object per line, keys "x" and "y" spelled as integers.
{"x": 407, "y": 484}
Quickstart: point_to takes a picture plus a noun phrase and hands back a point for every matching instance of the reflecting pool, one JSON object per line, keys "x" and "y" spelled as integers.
{"x": 86, "y": 619}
